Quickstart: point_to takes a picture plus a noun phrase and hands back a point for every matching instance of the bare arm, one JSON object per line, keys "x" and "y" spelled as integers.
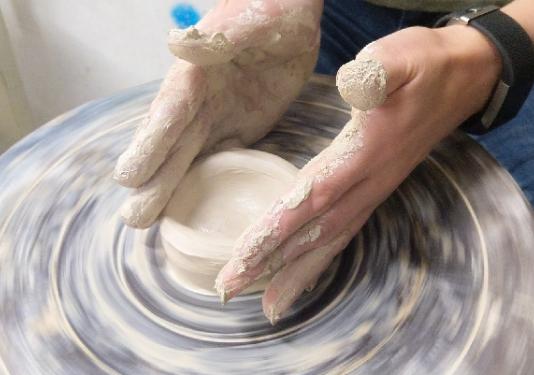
{"x": 523, "y": 12}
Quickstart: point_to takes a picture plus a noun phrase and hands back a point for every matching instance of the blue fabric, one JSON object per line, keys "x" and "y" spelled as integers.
{"x": 349, "y": 25}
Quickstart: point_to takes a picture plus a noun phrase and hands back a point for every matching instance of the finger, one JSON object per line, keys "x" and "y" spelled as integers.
{"x": 230, "y": 282}
{"x": 319, "y": 185}
{"x": 376, "y": 72}
{"x": 321, "y": 182}
{"x": 352, "y": 207}
{"x": 145, "y": 204}
{"x": 177, "y": 103}
{"x": 291, "y": 281}
{"x": 253, "y": 247}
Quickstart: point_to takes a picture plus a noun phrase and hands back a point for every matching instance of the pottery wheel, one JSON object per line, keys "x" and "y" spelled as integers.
{"x": 440, "y": 280}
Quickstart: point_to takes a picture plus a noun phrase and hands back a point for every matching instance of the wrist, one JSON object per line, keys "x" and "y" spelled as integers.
{"x": 511, "y": 35}
{"x": 472, "y": 51}
{"x": 522, "y": 11}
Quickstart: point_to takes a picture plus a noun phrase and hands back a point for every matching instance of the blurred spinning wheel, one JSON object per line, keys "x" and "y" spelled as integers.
{"x": 440, "y": 280}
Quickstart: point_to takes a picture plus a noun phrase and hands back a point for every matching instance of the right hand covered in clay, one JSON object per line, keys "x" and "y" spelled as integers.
{"x": 236, "y": 73}
{"x": 407, "y": 92}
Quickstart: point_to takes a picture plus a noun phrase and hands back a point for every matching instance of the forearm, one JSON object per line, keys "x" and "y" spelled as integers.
{"x": 523, "y": 12}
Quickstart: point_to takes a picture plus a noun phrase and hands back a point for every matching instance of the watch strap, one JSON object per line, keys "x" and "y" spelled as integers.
{"x": 517, "y": 53}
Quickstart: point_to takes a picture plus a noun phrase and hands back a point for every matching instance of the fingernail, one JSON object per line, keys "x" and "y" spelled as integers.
{"x": 224, "y": 291}
{"x": 119, "y": 174}
{"x": 311, "y": 287}
{"x": 126, "y": 177}
{"x": 223, "y": 297}
{"x": 273, "y": 316}
{"x": 221, "y": 291}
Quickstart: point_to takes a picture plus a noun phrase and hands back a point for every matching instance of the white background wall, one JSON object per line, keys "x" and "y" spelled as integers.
{"x": 72, "y": 51}
{"x": 14, "y": 114}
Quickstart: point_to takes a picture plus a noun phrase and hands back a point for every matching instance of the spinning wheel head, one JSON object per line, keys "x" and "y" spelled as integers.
{"x": 439, "y": 281}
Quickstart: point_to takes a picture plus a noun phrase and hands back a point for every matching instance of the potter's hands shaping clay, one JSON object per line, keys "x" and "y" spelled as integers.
{"x": 416, "y": 78}
{"x": 236, "y": 73}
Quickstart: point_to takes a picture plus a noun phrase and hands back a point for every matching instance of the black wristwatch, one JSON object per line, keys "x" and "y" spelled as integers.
{"x": 517, "y": 52}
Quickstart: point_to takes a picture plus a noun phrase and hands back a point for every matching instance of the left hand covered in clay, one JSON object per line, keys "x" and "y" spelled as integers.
{"x": 408, "y": 91}
{"x": 236, "y": 73}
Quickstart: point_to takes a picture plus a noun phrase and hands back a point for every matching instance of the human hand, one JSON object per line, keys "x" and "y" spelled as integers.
{"x": 423, "y": 83}
{"x": 236, "y": 73}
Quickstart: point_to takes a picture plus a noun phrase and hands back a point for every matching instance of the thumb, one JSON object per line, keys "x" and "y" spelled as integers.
{"x": 225, "y": 32}
{"x": 373, "y": 75}
{"x": 235, "y": 30}
{"x": 203, "y": 48}
{"x": 200, "y": 48}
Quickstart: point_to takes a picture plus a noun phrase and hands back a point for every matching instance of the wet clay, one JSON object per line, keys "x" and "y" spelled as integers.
{"x": 217, "y": 200}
